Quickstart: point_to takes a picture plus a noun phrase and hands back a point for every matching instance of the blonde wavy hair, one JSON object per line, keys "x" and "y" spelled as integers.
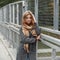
{"x": 26, "y": 13}
{"x": 24, "y": 25}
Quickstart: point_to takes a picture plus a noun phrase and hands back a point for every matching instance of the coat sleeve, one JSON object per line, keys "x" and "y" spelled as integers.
{"x": 38, "y": 30}
{"x": 26, "y": 39}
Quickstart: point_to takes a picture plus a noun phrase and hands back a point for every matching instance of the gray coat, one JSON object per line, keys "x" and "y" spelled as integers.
{"x": 21, "y": 53}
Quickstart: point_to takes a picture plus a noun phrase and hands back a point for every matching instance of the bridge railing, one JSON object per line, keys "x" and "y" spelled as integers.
{"x": 10, "y": 29}
{"x": 52, "y": 42}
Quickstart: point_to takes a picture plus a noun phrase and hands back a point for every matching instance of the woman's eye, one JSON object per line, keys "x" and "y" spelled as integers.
{"x": 28, "y": 17}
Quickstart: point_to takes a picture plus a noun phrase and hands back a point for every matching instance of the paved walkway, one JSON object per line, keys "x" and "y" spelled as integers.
{"x": 3, "y": 53}
{"x": 6, "y": 52}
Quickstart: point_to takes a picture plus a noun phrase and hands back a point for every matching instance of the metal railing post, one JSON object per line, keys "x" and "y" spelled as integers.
{"x": 2, "y": 15}
{"x": 56, "y": 14}
{"x": 23, "y": 7}
{"x": 17, "y": 13}
{"x": 10, "y": 12}
{"x": 53, "y": 54}
{"x": 5, "y": 13}
{"x": 36, "y": 10}
{"x": 13, "y": 13}
{"x": 36, "y": 16}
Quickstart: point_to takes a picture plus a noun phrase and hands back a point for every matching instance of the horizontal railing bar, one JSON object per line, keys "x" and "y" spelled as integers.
{"x": 50, "y": 30}
{"x": 14, "y": 29}
{"x": 50, "y": 44}
{"x": 16, "y": 25}
{"x": 4, "y": 25}
{"x": 11, "y": 27}
{"x": 17, "y": 2}
{"x": 46, "y": 50}
{"x": 51, "y": 39}
{"x": 12, "y": 24}
{"x": 48, "y": 58}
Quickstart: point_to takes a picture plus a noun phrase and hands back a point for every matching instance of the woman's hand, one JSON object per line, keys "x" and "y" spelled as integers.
{"x": 26, "y": 47}
{"x": 38, "y": 38}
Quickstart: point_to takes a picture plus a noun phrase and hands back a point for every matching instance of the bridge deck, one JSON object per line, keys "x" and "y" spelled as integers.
{"x": 3, "y": 53}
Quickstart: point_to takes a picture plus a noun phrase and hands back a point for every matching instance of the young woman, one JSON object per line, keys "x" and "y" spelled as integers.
{"x": 29, "y": 35}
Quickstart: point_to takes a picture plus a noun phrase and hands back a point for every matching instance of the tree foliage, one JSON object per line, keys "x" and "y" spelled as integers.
{"x": 5, "y": 2}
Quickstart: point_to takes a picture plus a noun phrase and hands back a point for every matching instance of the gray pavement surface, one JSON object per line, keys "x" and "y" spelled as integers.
{"x": 9, "y": 52}
{"x": 3, "y": 53}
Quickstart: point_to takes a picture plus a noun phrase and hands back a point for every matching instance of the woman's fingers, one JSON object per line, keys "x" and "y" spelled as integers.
{"x": 38, "y": 37}
{"x": 26, "y": 46}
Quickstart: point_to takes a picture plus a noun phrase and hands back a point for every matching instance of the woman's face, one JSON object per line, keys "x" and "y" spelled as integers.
{"x": 28, "y": 19}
